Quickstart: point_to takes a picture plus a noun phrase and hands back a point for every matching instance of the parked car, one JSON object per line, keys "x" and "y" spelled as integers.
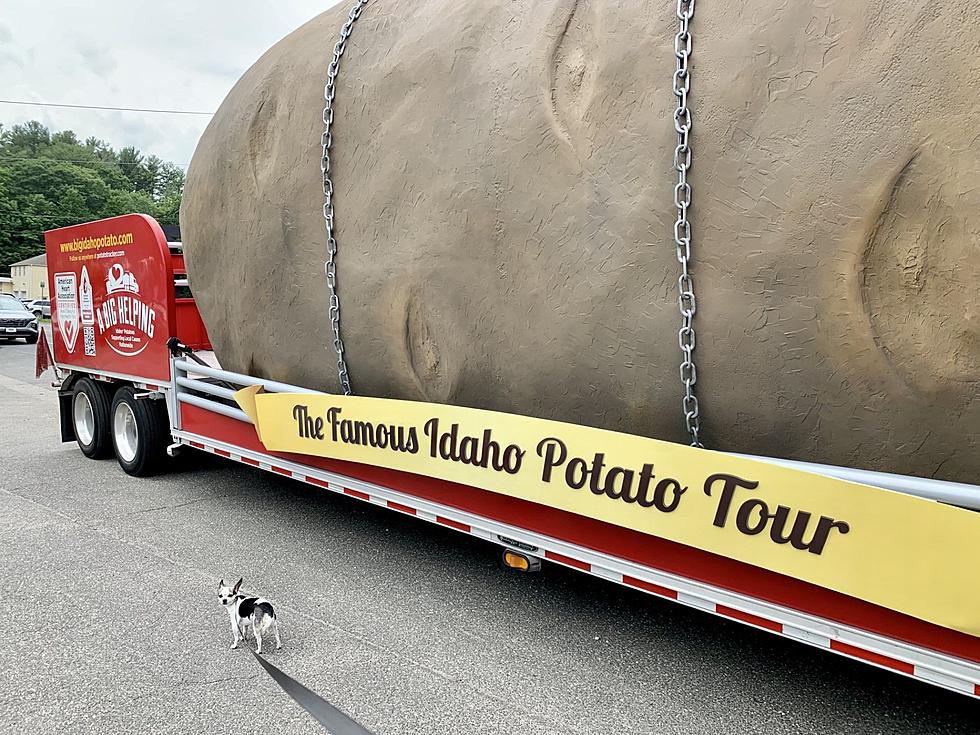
{"x": 40, "y": 307}
{"x": 16, "y": 320}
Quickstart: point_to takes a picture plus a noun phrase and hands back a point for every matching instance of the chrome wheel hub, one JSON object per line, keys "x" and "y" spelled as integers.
{"x": 84, "y": 418}
{"x": 124, "y": 432}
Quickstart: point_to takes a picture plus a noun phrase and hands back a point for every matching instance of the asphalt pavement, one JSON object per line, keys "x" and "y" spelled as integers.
{"x": 109, "y": 619}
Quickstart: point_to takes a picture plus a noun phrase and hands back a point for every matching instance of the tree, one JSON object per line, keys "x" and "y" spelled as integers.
{"x": 168, "y": 210}
{"x": 18, "y": 230}
{"x": 126, "y": 202}
{"x": 54, "y": 180}
{"x": 26, "y": 139}
{"x": 171, "y": 181}
{"x": 141, "y": 172}
{"x": 65, "y": 136}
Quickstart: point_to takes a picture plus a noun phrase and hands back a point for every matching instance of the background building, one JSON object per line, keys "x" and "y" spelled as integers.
{"x": 30, "y": 278}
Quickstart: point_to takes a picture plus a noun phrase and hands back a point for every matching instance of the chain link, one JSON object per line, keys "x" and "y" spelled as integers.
{"x": 326, "y": 141}
{"x": 682, "y": 227}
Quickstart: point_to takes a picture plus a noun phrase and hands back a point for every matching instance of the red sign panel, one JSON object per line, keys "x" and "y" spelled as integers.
{"x": 112, "y": 296}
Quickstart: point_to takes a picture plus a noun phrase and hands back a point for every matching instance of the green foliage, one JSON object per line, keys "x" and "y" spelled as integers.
{"x": 50, "y": 180}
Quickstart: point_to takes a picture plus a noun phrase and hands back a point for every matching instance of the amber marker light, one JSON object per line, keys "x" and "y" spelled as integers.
{"x": 521, "y": 562}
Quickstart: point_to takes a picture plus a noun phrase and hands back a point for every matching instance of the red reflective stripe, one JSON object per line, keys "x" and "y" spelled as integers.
{"x": 197, "y": 446}
{"x": 453, "y": 524}
{"x": 223, "y": 453}
{"x": 748, "y": 618}
{"x": 876, "y": 658}
{"x": 402, "y": 508}
{"x": 976, "y": 689}
{"x": 282, "y": 471}
{"x": 618, "y": 542}
{"x": 315, "y": 481}
{"x": 650, "y": 587}
{"x": 249, "y": 460}
{"x": 356, "y": 494}
{"x": 568, "y": 560}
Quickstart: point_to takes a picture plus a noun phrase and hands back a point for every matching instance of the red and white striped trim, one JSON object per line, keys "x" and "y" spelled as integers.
{"x": 919, "y": 663}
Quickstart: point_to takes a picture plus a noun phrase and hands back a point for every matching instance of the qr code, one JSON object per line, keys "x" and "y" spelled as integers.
{"x": 89, "y": 340}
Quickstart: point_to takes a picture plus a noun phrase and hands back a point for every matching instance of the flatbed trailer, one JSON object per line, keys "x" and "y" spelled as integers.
{"x": 137, "y": 379}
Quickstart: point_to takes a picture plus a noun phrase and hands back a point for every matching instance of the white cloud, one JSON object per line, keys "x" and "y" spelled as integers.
{"x": 184, "y": 54}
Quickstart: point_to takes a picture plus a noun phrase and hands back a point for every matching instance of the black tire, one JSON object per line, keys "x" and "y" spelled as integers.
{"x": 139, "y": 439}
{"x": 39, "y": 315}
{"x": 99, "y": 396}
{"x": 32, "y": 340}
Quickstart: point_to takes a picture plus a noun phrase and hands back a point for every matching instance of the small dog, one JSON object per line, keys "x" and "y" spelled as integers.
{"x": 246, "y": 611}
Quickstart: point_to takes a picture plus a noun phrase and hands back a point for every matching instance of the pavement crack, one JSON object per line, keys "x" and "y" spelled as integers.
{"x": 208, "y": 682}
{"x": 176, "y": 505}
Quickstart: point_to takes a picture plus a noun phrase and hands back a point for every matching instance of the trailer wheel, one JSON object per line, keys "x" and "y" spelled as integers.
{"x": 90, "y": 404}
{"x": 140, "y": 432}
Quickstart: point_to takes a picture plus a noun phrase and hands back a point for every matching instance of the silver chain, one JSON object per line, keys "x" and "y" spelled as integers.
{"x": 682, "y": 227}
{"x": 682, "y": 200}
{"x": 326, "y": 140}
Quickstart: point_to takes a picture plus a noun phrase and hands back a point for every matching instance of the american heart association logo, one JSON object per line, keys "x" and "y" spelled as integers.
{"x": 66, "y": 301}
{"x": 69, "y": 330}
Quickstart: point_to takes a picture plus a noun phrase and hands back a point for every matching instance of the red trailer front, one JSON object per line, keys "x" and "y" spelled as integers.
{"x": 112, "y": 297}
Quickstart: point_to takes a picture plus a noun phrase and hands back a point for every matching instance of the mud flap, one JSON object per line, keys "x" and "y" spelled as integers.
{"x": 64, "y": 416}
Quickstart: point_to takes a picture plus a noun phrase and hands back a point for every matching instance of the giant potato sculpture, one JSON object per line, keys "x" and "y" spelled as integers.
{"x": 504, "y": 210}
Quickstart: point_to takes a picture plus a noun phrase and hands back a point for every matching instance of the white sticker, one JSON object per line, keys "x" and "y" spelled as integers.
{"x": 66, "y": 301}
{"x": 87, "y": 307}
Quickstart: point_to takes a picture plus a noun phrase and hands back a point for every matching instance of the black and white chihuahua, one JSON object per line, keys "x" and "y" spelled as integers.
{"x": 247, "y": 611}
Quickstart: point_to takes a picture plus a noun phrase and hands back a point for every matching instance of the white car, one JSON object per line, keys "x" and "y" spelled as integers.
{"x": 40, "y": 307}
{"x": 16, "y": 320}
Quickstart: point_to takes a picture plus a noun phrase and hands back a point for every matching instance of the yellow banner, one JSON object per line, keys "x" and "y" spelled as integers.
{"x": 912, "y": 555}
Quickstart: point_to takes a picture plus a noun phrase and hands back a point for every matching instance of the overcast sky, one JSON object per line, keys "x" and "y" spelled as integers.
{"x": 180, "y": 54}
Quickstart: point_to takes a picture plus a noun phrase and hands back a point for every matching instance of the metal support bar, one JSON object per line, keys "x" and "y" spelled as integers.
{"x": 954, "y": 493}
{"x": 207, "y": 405}
{"x": 239, "y": 379}
{"x": 210, "y": 388}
